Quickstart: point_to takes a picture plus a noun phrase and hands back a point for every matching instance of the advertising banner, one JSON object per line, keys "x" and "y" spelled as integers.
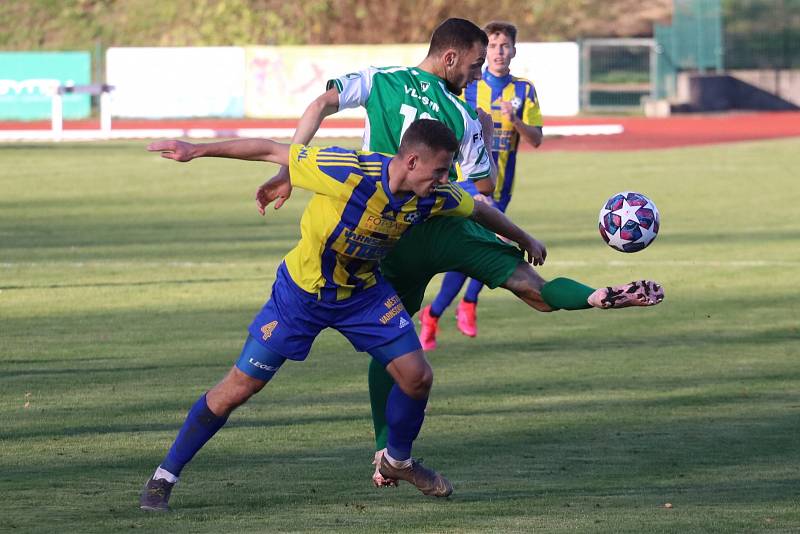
{"x": 176, "y": 82}
{"x": 283, "y": 80}
{"x": 29, "y": 79}
{"x": 555, "y": 72}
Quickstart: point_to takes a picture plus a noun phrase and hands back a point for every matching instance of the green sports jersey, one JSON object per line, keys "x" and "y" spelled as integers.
{"x": 394, "y": 97}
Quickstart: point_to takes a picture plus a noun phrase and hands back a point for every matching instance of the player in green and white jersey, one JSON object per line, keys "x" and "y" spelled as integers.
{"x": 393, "y": 98}
{"x": 396, "y": 96}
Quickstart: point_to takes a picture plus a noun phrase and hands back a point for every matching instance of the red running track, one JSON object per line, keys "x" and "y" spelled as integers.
{"x": 639, "y": 132}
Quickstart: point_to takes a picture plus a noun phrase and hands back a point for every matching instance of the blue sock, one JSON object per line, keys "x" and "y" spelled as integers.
{"x": 474, "y": 287}
{"x": 451, "y": 285}
{"x": 404, "y": 416}
{"x": 200, "y": 426}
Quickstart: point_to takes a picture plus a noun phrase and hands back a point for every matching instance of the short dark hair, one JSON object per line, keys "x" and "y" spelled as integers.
{"x": 460, "y": 34}
{"x": 502, "y": 27}
{"x": 430, "y": 133}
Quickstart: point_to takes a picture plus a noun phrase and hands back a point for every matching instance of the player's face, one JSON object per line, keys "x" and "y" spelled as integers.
{"x": 466, "y": 68}
{"x": 499, "y": 53}
{"x": 428, "y": 169}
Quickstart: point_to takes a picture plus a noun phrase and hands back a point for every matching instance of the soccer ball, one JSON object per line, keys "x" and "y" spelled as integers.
{"x": 629, "y": 221}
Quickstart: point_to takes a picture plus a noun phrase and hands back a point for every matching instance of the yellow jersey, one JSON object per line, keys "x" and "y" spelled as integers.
{"x": 353, "y": 219}
{"x": 487, "y": 94}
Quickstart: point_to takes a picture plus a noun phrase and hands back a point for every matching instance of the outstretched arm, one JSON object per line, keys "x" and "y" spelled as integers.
{"x": 325, "y": 104}
{"x": 496, "y": 221}
{"x": 246, "y": 149}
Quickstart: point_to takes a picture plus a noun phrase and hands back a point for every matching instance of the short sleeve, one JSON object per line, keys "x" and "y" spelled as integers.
{"x": 322, "y": 170}
{"x": 354, "y": 88}
{"x": 531, "y": 113}
{"x": 473, "y": 158}
{"x": 453, "y": 201}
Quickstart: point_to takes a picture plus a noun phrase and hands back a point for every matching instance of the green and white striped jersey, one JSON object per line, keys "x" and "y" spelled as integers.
{"x": 394, "y": 97}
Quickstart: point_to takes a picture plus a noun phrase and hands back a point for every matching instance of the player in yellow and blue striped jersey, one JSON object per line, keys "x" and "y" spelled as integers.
{"x": 514, "y": 107}
{"x": 363, "y": 203}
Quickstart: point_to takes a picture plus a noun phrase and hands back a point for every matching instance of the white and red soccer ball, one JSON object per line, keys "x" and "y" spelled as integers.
{"x": 629, "y": 221}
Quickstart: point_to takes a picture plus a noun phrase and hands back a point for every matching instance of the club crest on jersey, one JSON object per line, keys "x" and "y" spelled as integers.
{"x": 267, "y": 329}
{"x": 412, "y": 217}
{"x": 516, "y": 102}
{"x": 424, "y": 86}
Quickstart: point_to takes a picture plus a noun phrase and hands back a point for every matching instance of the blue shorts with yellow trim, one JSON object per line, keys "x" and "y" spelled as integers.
{"x": 292, "y": 318}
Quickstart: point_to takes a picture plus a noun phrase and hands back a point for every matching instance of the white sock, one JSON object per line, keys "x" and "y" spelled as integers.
{"x": 165, "y": 475}
{"x": 397, "y": 464}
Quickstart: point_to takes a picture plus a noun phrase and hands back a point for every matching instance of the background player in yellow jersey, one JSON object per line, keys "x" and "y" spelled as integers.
{"x": 515, "y": 111}
{"x": 363, "y": 203}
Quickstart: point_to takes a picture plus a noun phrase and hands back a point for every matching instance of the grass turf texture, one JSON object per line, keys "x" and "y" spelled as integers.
{"x": 128, "y": 281}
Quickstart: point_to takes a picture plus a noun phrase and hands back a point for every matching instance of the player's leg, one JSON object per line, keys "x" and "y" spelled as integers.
{"x": 405, "y": 413}
{"x": 377, "y": 322}
{"x": 473, "y": 290}
{"x": 429, "y": 318}
{"x": 567, "y": 294}
{"x": 284, "y": 328}
{"x": 444, "y": 244}
{"x": 467, "y": 310}
{"x": 424, "y": 251}
{"x": 255, "y": 367}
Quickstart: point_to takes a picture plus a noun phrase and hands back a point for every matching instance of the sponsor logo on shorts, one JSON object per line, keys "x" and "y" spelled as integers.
{"x": 395, "y": 307}
{"x": 267, "y": 329}
{"x": 403, "y": 322}
{"x": 264, "y": 366}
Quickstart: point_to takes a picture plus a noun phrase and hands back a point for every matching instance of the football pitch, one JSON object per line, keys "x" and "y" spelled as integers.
{"x": 127, "y": 282}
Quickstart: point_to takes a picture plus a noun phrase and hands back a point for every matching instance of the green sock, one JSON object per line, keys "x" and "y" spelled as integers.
{"x": 566, "y": 294}
{"x": 380, "y": 383}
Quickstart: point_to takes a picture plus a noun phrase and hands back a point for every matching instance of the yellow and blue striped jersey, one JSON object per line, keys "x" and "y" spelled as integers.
{"x": 487, "y": 93}
{"x": 353, "y": 220}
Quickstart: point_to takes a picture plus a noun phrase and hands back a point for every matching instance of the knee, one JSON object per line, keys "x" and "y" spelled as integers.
{"x": 419, "y": 385}
{"x": 234, "y": 390}
{"x": 527, "y": 285}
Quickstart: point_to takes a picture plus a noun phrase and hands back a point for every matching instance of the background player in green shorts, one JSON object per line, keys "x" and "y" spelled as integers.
{"x": 393, "y": 97}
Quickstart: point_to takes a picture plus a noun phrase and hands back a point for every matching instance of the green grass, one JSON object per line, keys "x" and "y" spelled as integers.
{"x": 127, "y": 282}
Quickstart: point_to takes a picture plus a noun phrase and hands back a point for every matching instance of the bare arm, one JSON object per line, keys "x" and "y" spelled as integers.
{"x": 531, "y": 134}
{"x": 486, "y": 186}
{"x": 496, "y": 221}
{"x": 324, "y": 105}
{"x": 246, "y": 149}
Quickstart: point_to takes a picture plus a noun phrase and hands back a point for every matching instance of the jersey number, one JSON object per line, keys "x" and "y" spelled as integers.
{"x": 409, "y": 114}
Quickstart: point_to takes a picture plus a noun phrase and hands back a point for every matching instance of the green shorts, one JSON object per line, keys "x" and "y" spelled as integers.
{"x": 443, "y": 244}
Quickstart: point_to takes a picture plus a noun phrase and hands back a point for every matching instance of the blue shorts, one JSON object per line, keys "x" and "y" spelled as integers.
{"x": 370, "y": 319}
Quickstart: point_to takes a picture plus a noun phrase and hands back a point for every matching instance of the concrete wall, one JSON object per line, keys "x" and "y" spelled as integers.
{"x": 764, "y": 90}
